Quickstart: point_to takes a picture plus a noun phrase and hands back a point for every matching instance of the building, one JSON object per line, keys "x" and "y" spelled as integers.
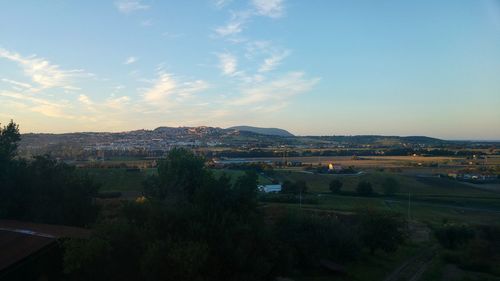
{"x": 270, "y": 188}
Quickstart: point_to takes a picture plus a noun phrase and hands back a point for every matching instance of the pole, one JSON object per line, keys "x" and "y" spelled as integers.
{"x": 300, "y": 199}
{"x": 409, "y": 208}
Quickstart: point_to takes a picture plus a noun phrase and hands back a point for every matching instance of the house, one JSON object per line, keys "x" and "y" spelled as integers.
{"x": 334, "y": 167}
{"x": 270, "y": 188}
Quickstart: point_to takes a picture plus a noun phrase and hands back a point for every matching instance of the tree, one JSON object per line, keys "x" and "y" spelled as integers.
{"x": 335, "y": 186}
{"x": 299, "y": 186}
{"x": 42, "y": 189}
{"x": 381, "y": 230}
{"x": 390, "y": 186}
{"x": 180, "y": 174}
{"x": 452, "y": 236}
{"x": 364, "y": 188}
{"x": 208, "y": 229}
{"x": 9, "y": 138}
{"x": 45, "y": 190}
{"x": 313, "y": 237}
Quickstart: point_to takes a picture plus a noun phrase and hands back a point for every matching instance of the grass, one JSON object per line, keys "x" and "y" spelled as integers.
{"x": 119, "y": 179}
{"x": 234, "y": 174}
{"x": 368, "y": 267}
{"x": 417, "y": 186}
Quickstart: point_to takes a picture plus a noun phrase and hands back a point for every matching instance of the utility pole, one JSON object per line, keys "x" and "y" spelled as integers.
{"x": 300, "y": 199}
{"x": 409, "y": 208}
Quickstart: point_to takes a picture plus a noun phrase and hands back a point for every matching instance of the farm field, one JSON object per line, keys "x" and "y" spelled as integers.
{"x": 119, "y": 179}
{"x": 434, "y": 201}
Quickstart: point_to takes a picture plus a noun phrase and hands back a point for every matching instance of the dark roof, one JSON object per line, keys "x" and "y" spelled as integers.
{"x": 17, "y": 246}
{"x": 49, "y": 230}
{"x": 19, "y": 240}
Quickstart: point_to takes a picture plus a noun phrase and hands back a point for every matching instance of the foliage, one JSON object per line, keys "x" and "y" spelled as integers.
{"x": 381, "y": 230}
{"x": 178, "y": 175}
{"x": 390, "y": 186}
{"x": 364, "y": 188}
{"x": 189, "y": 229}
{"x": 335, "y": 185}
{"x": 452, "y": 236}
{"x": 300, "y": 186}
{"x": 9, "y": 138}
{"x": 288, "y": 198}
{"x": 43, "y": 189}
{"x": 312, "y": 238}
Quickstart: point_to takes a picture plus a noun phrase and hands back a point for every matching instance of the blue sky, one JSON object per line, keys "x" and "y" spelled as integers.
{"x": 312, "y": 67}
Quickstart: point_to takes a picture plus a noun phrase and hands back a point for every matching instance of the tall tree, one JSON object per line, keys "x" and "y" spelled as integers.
{"x": 335, "y": 186}
{"x": 9, "y": 138}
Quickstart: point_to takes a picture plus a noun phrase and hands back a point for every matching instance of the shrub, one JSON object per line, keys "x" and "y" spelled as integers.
{"x": 335, "y": 186}
{"x": 364, "y": 188}
{"x": 452, "y": 236}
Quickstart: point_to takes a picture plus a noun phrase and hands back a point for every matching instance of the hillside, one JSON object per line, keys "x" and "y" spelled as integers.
{"x": 263, "y": 131}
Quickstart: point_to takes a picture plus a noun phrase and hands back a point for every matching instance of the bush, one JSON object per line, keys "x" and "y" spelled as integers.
{"x": 381, "y": 230}
{"x": 299, "y": 186}
{"x": 390, "y": 186}
{"x": 288, "y": 198}
{"x": 335, "y": 186}
{"x": 311, "y": 238}
{"x": 452, "y": 236}
{"x": 364, "y": 188}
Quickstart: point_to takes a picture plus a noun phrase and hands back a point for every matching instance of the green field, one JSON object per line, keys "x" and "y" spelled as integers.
{"x": 433, "y": 201}
{"x": 119, "y": 179}
{"x": 234, "y": 174}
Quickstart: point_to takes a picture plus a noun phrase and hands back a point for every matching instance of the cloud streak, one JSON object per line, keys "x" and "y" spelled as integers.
{"x": 228, "y": 64}
{"x": 129, "y": 6}
{"x": 276, "y": 91}
{"x": 130, "y": 60}
{"x": 269, "y": 8}
{"x": 43, "y": 72}
{"x": 168, "y": 91}
{"x": 273, "y": 61}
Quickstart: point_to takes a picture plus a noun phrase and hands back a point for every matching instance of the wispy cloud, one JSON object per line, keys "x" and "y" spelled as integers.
{"x": 85, "y": 99}
{"x": 40, "y": 105}
{"x": 276, "y": 91}
{"x": 147, "y": 23}
{"x": 129, "y": 6}
{"x": 168, "y": 91}
{"x": 130, "y": 60}
{"x": 17, "y": 83}
{"x": 235, "y": 25}
{"x": 117, "y": 102}
{"x": 42, "y": 71}
{"x": 273, "y": 61}
{"x": 232, "y": 27}
{"x": 227, "y": 63}
{"x": 269, "y": 8}
{"x": 219, "y": 4}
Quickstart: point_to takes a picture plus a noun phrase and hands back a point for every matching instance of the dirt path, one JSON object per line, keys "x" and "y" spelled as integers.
{"x": 413, "y": 268}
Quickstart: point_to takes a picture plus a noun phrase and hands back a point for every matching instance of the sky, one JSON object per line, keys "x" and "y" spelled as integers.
{"x": 323, "y": 67}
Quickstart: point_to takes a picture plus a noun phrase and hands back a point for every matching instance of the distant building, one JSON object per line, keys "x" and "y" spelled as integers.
{"x": 334, "y": 167}
{"x": 270, "y": 188}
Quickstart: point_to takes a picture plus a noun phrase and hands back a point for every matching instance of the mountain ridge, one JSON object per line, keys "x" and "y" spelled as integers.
{"x": 263, "y": 131}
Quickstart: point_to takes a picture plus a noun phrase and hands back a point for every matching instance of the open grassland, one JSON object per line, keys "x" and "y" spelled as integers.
{"x": 234, "y": 174}
{"x": 119, "y": 179}
{"x": 408, "y": 184}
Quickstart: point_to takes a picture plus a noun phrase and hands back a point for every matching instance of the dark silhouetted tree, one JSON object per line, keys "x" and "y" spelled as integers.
{"x": 390, "y": 186}
{"x": 381, "y": 230}
{"x": 335, "y": 186}
{"x": 364, "y": 188}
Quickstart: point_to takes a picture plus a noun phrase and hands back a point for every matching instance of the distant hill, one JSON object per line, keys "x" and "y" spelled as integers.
{"x": 263, "y": 131}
